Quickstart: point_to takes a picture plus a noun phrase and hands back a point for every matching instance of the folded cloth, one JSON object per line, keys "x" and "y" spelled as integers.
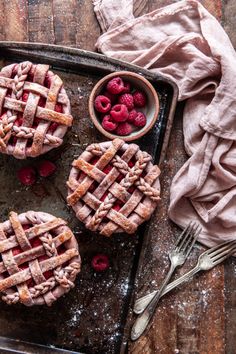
{"x": 186, "y": 43}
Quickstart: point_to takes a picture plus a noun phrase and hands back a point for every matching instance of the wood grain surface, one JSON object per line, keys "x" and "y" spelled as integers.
{"x": 200, "y": 317}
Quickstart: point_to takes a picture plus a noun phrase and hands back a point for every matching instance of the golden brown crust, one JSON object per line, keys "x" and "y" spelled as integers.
{"x": 14, "y": 105}
{"x": 96, "y": 208}
{"x": 18, "y": 250}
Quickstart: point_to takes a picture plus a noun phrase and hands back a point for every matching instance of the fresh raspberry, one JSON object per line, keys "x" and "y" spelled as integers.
{"x": 102, "y": 104}
{"x": 46, "y": 168}
{"x": 126, "y": 88}
{"x": 108, "y": 124}
{"x": 124, "y": 129}
{"x": 132, "y": 115}
{"x": 140, "y": 120}
{"x": 115, "y": 86}
{"x": 100, "y": 262}
{"x": 127, "y": 100}
{"x": 119, "y": 113}
{"x": 111, "y": 97}
{"x": 140, "y": 99}
{"x": 27, "y": 175}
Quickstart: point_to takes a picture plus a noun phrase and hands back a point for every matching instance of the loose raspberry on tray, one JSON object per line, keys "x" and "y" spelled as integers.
{"x": 100, "y": 262}
{"x": 140, "y": 120}
{"x": 124, "y": 129}
{"x": 46, "y": 168}
{"x": 119, "y": 113}
{"x": 109, "y": 124}
{"x": 27, "y": 175}
{"x": 127, "y": 100}
{"x": 115, "y": 86}
{"x": 140, "y": 99}
{"x": 102, "y": 104}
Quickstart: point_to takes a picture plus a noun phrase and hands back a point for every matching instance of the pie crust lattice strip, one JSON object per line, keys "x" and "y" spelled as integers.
{"x": 39, "y": 258}
{"x": 113, "y": 187}
{"x": 34, "y": 110}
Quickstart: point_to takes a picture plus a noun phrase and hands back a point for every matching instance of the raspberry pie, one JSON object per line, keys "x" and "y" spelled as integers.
{"x": 34, "y": 110}
{"x": 113, "y": 187}
{"x": 39, "y": 258}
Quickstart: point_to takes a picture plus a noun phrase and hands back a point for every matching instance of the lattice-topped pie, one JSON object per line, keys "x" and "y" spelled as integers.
{"x": 39, "y": 258}
{"x": 34, "y": 110}
{"x": 113, "y": 187}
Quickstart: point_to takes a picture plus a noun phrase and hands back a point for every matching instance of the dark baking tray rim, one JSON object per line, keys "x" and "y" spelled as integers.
{"x": 70, "y": 58}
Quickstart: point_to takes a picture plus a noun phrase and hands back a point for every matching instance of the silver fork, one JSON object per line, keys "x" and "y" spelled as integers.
{"x": 206, "y": 261}
{"x": 177, "y": 256}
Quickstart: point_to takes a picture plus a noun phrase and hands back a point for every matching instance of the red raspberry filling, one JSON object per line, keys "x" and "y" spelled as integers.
{"x": 42, "y": 102}
{"x": 35, "y": 242}
{"x": 100, "y": 262}
{"x": 107, "y": 169}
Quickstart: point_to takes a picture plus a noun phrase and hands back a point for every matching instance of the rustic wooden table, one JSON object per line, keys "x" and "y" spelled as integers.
{"x": 201, "y": 316}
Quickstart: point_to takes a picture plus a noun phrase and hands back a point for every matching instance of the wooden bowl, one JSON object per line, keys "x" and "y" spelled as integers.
{"x": 151, "y": 109}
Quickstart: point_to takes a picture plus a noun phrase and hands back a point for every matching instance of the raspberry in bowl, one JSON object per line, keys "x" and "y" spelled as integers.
{"x": 124, "y": 104}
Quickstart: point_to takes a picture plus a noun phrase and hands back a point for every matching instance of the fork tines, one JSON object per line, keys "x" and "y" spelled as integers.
{"x": 188, "y": 237}
{"x": 222, "y": 251}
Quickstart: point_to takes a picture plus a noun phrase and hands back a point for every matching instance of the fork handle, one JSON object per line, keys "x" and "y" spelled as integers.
{"x": 143, "y": 320}
{"x": 141, "y": 304}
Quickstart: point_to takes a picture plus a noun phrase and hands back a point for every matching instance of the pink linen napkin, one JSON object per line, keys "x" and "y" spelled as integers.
{"x": 186, "y": 43}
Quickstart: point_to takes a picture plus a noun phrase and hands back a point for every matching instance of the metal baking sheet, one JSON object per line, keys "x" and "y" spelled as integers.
{"x": 91, "y": 318}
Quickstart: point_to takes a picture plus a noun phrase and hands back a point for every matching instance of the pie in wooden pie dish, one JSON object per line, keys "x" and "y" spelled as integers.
{"x": 113, "y": 187}
{"x": 34, "y": 110}
{"x": 39, "y": 258}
